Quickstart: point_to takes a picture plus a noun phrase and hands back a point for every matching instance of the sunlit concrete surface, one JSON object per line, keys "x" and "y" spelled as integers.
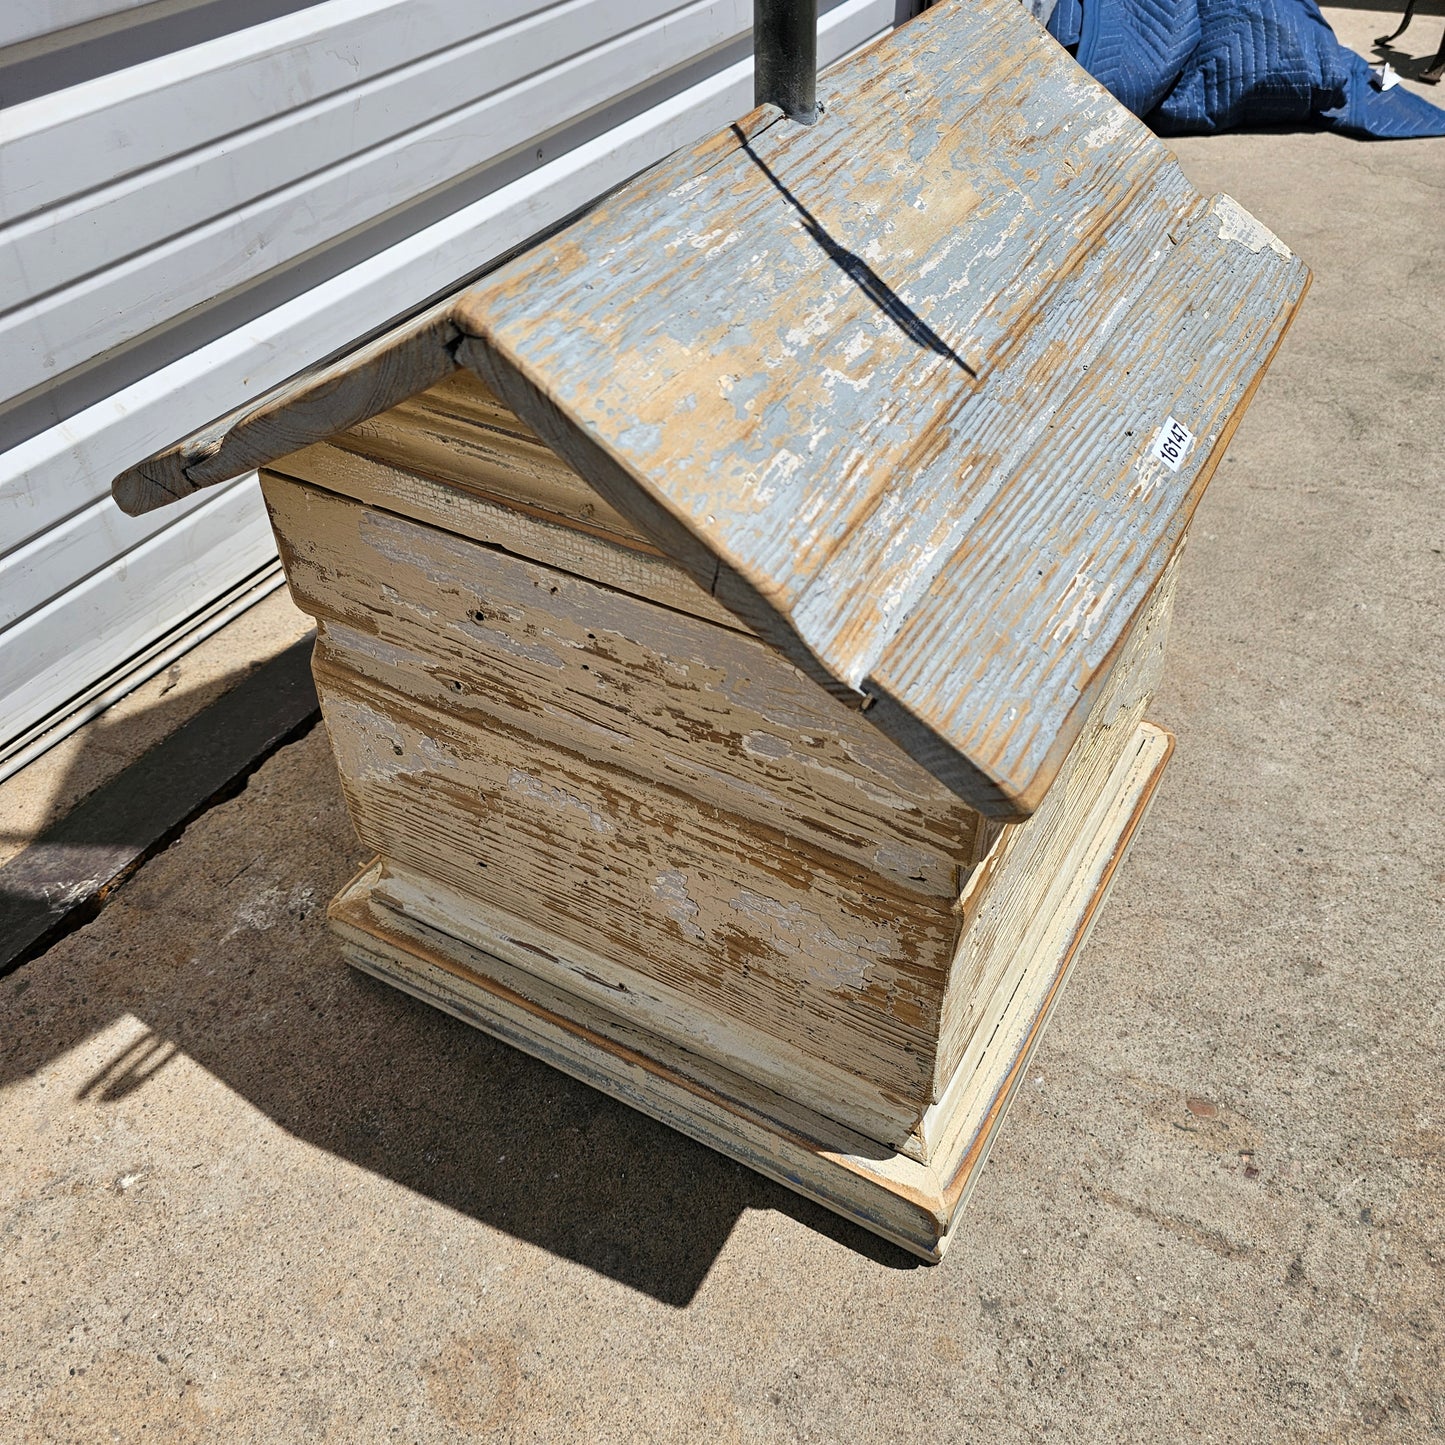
{"x": 248, "y": 1194}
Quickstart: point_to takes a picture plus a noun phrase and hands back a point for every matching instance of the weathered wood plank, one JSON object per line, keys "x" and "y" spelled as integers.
{"x": 658, "y": 694}
{"x": 652, "y": 1006}
{"x": 460, "y": 432}
{"x": 742, "y": 918}
{"x": 887, "y": 388}
{"x": 680, "y": 1085}
{"x": 625, "y": 565}
{"x": 961, "y": 1128}
{"x": 721, "y": 342}
{"x": 309, "y": 408}
{"x": 891, "y": 557}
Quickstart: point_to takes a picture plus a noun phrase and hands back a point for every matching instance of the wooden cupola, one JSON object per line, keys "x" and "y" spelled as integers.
{"x": 736, "y": 613}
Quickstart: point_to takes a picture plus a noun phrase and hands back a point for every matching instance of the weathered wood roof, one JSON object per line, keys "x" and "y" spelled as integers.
{"x": 925, "y": 393}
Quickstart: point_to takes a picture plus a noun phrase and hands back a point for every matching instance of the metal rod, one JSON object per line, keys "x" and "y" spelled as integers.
{"x": 785, "y": 57}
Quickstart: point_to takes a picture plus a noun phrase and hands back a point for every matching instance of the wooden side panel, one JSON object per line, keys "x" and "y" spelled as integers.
{"x": 460, "y": 431}
{"x": 496, "y": 639}
{"x": 541, "y": 536}
{"x": 743, "y": 919}
{"x": 1016, "y": 890}
{"x": 646, "y": 1003}
{"x": 721, "y": 1102}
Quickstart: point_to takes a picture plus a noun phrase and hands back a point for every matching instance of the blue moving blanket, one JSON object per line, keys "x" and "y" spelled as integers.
{"x": 1208, "y": 65}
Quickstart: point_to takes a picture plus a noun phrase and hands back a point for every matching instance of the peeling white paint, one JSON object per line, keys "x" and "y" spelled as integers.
{"x": 1109, "y": 131}
{"x": 1236, "y": 224}
{"x": 399, "y": 604}
{"x": 829, "y": 959}
{"x": 856, "y": 345}
{"x": 671, "y": 890}
{"x": 558, "y": 800}
{"x": 904, "y": 861}
{"x": 783, "y": 467}
{"x": 832, "y": 378}
{"x": 575, "y": 720}
{"x": 709, "y": 242}
{"x": 1078, "y": 609}
{"x": 765, "y": 745}
{"x": 370, "y": 746}
{"x": 880, "y": 797}
{"x": 688, "y": 186}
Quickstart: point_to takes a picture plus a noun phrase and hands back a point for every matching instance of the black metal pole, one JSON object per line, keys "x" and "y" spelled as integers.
{"x": 785, "y": 57}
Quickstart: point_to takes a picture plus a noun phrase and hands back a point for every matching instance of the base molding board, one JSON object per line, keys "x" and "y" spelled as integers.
{"x": 914, "y": 1204}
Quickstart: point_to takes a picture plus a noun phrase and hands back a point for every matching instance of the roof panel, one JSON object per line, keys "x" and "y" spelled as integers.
{"x": 888, "y": 385}
{"x": 925, "y": 393}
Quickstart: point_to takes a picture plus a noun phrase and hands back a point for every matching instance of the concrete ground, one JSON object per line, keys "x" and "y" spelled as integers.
{"x": 248, "y": 1194}
{"x": 90, "y": 757}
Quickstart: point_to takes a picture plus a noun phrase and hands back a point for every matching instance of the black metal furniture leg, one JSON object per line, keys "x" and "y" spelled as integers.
{"x": 1434, "y": 73}
{"x": 1404, "y": 24}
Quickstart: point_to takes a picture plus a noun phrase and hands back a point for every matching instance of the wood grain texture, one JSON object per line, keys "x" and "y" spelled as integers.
{"x": 742, "y": 918}
{"x": 1008, "y": 902}
{"x": 325, "y": 399}
{"x": 917, "y": 1204}
{"x": 653, "y": 690}
{"x": 541, "y": 535}
{"x": 888, "y": 386}
{"x": 656, "y": 692}
{"x": 653, "y": 1005}
{"x": 459, "y": 432}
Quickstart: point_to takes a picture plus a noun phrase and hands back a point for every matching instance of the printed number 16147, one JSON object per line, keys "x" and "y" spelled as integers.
{"x": 1172, "y": 444}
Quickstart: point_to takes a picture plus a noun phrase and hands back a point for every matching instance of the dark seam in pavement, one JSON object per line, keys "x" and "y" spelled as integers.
{"x": 66, "y": 875}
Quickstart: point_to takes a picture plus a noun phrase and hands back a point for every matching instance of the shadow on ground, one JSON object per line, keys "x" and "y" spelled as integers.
{"x": 219, "y": 948}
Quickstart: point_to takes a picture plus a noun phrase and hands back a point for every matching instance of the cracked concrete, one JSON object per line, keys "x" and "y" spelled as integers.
{"x": 248, "y": 1194}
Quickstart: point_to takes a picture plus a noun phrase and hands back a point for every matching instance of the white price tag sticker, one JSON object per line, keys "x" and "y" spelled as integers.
{"x": 1173, "y": 444}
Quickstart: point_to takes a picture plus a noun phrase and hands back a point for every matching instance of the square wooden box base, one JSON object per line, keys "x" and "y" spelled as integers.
{"x": 916, "y": 1205}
